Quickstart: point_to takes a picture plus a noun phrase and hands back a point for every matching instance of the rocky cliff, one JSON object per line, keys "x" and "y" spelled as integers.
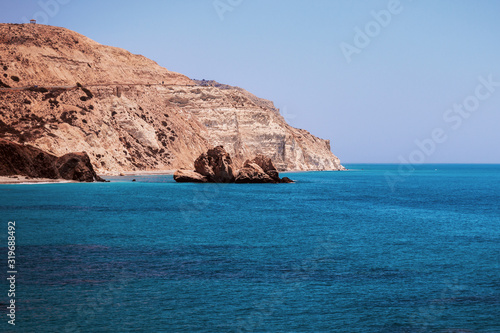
{"x": 16, "y": 159}
{"x": 130, "y": 114}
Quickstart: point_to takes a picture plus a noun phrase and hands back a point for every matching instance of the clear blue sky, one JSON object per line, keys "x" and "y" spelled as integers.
{"x": 397, "y": 87}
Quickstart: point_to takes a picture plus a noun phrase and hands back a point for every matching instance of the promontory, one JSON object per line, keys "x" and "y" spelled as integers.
{"x": 62, "y": 92}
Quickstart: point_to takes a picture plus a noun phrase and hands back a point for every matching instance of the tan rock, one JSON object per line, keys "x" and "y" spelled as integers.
{"x": 252, "y": 173}
{"x": 60, "y": 57}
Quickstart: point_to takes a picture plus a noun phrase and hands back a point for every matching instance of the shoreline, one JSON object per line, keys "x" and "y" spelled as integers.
{"x": 137, "y": 173}
{"x": 147, "y": 173}
{"x": 19, "y": 179}
{"x": 28, "y": 180}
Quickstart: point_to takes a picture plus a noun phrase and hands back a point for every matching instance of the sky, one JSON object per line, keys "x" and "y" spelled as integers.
{"x": 386, "y": 81}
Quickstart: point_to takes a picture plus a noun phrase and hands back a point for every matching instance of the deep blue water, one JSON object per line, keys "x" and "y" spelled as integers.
{"x": 373, "y": 249}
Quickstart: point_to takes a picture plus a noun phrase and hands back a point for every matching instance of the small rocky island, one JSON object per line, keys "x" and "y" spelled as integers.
{"x": 216, "y": 166}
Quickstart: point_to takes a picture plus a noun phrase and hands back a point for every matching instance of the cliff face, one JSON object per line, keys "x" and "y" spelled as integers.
{"x": 125, "y": 118}
{"x": 29, "y": 161}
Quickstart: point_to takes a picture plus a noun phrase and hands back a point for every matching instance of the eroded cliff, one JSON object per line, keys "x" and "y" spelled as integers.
{"x": 131, "y": 114}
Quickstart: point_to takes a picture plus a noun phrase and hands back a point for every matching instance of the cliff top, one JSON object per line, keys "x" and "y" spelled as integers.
{"x": 30, "y": 52}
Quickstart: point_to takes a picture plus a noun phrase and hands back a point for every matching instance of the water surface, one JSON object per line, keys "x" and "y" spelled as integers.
{"x": 379, "y": 248}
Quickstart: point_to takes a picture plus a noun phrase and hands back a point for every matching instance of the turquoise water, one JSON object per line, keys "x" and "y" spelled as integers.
{"x": 374, "y": 249}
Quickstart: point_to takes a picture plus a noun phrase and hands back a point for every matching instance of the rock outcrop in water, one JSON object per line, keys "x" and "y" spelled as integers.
{"x": 188, "y": 176}
{"x": 216, "y": 166}
{"x": 130, "y": 114}
{"x": 260, "y": 170}
{"x": 29, "y": 161}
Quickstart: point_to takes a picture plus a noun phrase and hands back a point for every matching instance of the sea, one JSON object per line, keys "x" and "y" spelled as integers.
{"x": 377, "y": 248}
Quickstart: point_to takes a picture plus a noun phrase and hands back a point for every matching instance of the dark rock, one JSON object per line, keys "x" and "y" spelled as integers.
{"x": 202, "y": 166}
{"x": 76, "y": 166}
{"x": 187, "y": 176}
{"x": 16, "y": 159}
{"x": 267, "y": 166}
{"x": 216, "y": 165}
